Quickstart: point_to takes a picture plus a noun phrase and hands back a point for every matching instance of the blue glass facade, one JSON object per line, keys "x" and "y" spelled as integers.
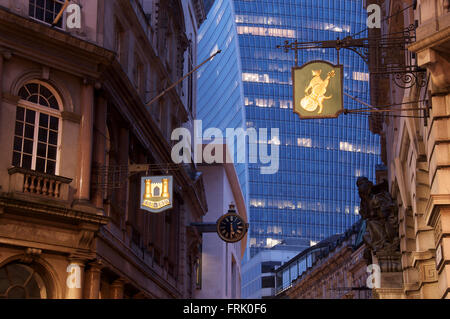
{"x": 313, "y": 195}
{"x": 220, "y": 99}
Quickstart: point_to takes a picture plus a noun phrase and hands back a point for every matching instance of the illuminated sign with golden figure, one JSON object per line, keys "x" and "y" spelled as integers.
{"x": 156, "y": 193}
{"x": 317, "y": 90}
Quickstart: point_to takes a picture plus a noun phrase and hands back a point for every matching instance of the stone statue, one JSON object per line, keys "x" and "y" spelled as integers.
{"x": 380, "y": 212}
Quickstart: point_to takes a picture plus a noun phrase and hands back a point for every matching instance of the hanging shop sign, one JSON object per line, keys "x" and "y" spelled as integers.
{"x": 156, "y": 193}
{"x": 318, "y": 90}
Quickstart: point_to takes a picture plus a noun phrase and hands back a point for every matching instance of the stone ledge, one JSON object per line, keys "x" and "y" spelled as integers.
{"x": 433, "y": 204}
{"x": 61, "y": 211}
{"x": 417, "y": 256}
{"x": 432, "y": 40}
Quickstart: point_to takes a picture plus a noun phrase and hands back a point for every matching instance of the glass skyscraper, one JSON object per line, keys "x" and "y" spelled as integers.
{"x": 220, "y": 98}
{"x": 313, "y": 195}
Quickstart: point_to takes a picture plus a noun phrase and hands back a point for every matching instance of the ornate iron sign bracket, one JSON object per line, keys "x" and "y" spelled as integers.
{"x": 386, "y": 55}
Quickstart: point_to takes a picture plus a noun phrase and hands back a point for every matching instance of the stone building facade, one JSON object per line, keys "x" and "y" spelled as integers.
{"x": 221, "y": 274}
{"x": 416, "y": 148}
{"x": 335, "y": 268}
{"x": 73, "y": 116}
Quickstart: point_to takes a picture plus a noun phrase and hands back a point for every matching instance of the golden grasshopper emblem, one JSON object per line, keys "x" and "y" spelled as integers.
{"x": 315, "y": 92}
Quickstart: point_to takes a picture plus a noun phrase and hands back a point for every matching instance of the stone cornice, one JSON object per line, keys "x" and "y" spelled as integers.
{"x": 10, "y": 202}
{"x": 418, "y": 256}
{"x": 52, "y": 47}
{"x": 436, "y": 39}
{"x": 433, "y": 204}
{"x": 112, "y": 241}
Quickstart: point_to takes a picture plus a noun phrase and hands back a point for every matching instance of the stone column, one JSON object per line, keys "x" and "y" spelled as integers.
{"x": 117, "y": 288}
{"x": 124, "y": 142}
{"x": 92, "y": 281}
{"x": 85, "y": 142}
{"x": 74, "y": 280}
{"x": 99, "y": 152}
{"x": 1, "y": 79}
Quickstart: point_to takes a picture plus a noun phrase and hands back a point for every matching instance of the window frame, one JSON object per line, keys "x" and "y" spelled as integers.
{"x": 39, "y": 109}
{"x": 63, "y": 20}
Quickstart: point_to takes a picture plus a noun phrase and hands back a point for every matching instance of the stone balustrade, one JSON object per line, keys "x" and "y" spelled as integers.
{"x": 31, "y": 182}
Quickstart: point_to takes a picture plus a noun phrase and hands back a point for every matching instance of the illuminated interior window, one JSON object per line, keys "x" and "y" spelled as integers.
{"x": 275, "y": 141}
{"x": 304, "y": 142}
{"x": 267, "y": 32}
{"x": 349, "y": 147}
{"x": 361, "y": 76}
{"x": 285, "y": 104}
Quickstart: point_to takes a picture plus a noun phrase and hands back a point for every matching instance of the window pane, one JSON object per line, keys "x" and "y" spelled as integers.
{"x": 51, "y": 152}
{"x": 32, "y": 87}
{"x": 19, "y": 129}
{"x": 28, "y": 146}
{"x": 31, "y": 116}
{"x": 53, "y": 103}
{"x": 20, "y": 113}
{"x": 43, "y": 120}
{"x": 40, "y": 165}
{"x": 26, "y": 161}
{"x": 39, "y": 14}
{"x": 18, "y": 274}
{"x": 48, "y": 17}
{"x": 29, "y": 131}
{"x": 16, "y": 159}
{"x": 45, "y": 92}
{"x": 31, "y": 10}
{"x": 54, "y": 122}
{"x": 51, "y": 167}
{"x": 23, "y": 93}
{"x": 40, "y": 3}
{"x": 49, "y": 5}
{"x": 17, "y": 144}
{"x": 53, "y": 138}
{"x": 43, "y": 101}
{"x": 41, "y": 150}
{"x": 33, "y": 288}
{"x": 42, "y": 135}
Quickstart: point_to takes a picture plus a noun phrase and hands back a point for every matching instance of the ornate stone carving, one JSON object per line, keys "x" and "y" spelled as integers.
{"x": 380, "y": 212}
{"x": 30, "y": 255}
{"x": 85, "y": 239}
{"x": 437, "y": 231}
{"x": 428, "y": 272}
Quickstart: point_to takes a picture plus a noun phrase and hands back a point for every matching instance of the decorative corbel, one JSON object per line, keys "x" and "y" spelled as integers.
{"x": 30, "y": 255}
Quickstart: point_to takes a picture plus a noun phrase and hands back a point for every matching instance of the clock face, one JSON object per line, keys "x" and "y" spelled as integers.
{"x": 231, "y": 227}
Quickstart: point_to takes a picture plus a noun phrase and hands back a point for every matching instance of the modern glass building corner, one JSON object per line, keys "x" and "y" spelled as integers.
{"x": 220, "y": 98}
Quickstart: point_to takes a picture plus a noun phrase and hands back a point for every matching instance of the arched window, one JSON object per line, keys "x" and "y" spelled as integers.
{"x": 20, "y": 281}
{"x": 36, "y": 130}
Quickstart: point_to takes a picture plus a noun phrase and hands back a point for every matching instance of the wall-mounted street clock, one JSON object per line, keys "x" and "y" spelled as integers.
{"x": 231, "y": 227}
